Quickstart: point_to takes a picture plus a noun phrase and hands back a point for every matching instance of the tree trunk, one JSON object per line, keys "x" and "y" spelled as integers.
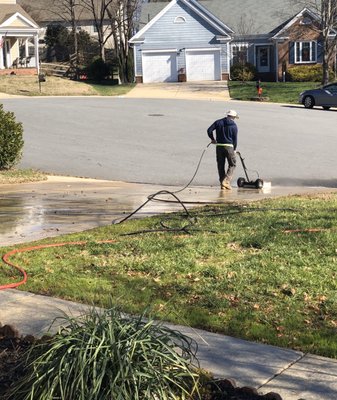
{"x": 325, "y": 77}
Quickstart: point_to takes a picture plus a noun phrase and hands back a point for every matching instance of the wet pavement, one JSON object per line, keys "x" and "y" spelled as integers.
{"x": 62, "y": 205}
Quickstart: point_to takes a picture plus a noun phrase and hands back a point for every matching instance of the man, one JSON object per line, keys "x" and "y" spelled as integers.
{"x": 226, "y": 141}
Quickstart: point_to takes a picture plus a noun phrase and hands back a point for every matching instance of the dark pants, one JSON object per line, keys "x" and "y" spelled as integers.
{"x": 224, "y": 153}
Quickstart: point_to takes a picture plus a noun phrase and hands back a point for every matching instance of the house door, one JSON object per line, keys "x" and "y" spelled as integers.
{"x": 263, "y": 59}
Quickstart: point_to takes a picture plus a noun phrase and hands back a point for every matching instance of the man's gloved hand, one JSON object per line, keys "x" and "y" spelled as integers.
{"x": 213, "y": 141}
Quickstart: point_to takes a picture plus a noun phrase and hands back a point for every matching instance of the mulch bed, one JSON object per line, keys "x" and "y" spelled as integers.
{"x": 13, "y": 346}
{"x": 11, "y": 352}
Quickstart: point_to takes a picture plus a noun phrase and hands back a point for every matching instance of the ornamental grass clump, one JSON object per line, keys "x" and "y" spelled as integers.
{"x": 104, "y": 355}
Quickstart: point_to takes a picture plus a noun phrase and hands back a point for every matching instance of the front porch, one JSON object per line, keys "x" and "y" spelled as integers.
{"x": 18, "y": 53}
{"x": 19, "y": 71}
{"x": 19, "y": 43}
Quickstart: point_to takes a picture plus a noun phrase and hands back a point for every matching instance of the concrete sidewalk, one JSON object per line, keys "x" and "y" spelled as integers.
{"x": 63, "y": 205}
{"x": 290, "y": 373}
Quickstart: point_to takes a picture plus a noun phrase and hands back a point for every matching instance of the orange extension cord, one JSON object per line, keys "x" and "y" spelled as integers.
{"x": 6, "y": 257}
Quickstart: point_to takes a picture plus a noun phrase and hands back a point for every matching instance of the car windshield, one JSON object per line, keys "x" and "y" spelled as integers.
{"x": 331, "y": 88}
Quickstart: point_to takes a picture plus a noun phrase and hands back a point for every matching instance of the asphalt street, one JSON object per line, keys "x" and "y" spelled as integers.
{"x": 160, "y": 141}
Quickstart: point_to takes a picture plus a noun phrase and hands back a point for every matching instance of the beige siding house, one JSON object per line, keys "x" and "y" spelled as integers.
{"x": 18, "y": 40}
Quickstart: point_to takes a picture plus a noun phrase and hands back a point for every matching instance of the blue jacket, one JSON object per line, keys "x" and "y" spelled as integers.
{"x": 226, "y": 131}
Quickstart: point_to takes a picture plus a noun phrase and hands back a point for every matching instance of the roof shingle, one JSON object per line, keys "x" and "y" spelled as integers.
{"x": 7, "y": 10}
{"x": 243, "y": 16}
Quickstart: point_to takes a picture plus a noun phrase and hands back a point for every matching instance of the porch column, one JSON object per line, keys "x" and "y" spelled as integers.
{"x": 36, "y": 51}
{"x": 1, "y": 52}
{"x": 26, "y": 48}
{"x": 228, "y": 60}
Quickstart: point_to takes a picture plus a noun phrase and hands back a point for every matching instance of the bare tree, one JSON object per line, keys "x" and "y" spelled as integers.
{"x": 99, "y": 11}
{"x": 326, "y": 11}
{"x": 123, "y": 17}
{"x": 68, "y": 11}
{"x": 329, "y": 22}
{"x": 245, "y": 28}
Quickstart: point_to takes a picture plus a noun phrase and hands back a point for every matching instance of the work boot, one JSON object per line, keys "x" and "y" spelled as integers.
{"x": 222, "y": 185}
{"x": 226, "y": 185}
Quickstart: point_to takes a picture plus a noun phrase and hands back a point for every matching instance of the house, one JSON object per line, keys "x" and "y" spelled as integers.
{"x": 200, "y": 40}
{"x": 18, "y": 40}
{"x": 184, "y": 41}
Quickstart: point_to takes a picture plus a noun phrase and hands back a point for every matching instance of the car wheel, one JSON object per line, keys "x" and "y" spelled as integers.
{"x": 308, "y": 102}
{"x": 326, "y": 108}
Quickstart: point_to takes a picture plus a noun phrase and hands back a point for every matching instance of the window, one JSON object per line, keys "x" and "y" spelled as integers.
{"x": 179, "y": 20}
{"x": 331, "y": 88}
{"x": 305, "y": 52}
{"x": 306, "y": 21}
{"x": 239, "y": 53}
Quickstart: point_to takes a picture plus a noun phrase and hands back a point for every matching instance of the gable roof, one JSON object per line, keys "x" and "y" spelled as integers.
{"x": 194, "y": 6}
{"x": 279, "y": 31}
{"x": 245, "y": 17}
{"x": 9, "y": 10}
{"x": 46, "y": 11}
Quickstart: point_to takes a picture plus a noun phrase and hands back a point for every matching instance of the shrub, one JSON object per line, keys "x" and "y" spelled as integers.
{"x": 11, "y": 139}
{"x": 307, "y": 73}
{"x": 104, "y": 356}
{"x": 98, "y": 70}
{"x": 56, "y": 39}
{"x": 243, "y": 72}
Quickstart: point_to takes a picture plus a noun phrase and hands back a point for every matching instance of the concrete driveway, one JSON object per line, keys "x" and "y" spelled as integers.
{"x": 62, "y": 205}
{"x": 205, "y": 90}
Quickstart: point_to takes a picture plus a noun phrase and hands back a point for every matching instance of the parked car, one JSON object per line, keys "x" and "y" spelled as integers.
{"x": 326, "y": 97}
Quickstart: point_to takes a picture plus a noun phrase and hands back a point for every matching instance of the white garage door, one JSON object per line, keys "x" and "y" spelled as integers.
{"x": 203, "y": 65}
{"x": 160, "y": 67}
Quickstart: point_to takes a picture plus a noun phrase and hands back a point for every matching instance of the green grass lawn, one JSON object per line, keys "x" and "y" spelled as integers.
{"x": 264, "y": 272}
{"x": 112, "y": 90}
{"x": 54, "y": 86}
{"x": 278, "y": 92}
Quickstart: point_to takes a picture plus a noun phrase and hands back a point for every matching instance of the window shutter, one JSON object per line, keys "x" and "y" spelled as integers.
{"x": 314, "y": 45}
{"x": 319, "y": 52}
{"x": 291, "y": 53}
